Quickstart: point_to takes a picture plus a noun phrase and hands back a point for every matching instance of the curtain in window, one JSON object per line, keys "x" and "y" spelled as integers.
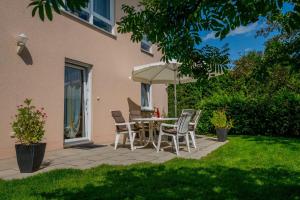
{"x": 102, "y": 7}
{"x": 145, "y": 43}
{"x": 145, "y": 95}
{"x": 73, "y": 101}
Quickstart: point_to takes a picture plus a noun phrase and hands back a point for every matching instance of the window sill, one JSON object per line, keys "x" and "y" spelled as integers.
{"x": 85, "y": 23}
{"x": 147, "y": 109}
{"x": 147, "y": 52}
{"x": 75, "y": 143}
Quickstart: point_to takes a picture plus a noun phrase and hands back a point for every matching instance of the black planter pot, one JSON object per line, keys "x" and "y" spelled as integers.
{"x": 222, "y": 134}
{"x": 30, "y": 157}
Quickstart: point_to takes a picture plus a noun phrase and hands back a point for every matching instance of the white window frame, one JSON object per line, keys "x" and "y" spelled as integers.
{"x": 92, "y": 14}
{"x": 150, "y": 107}
{"x": 87, "y": 83}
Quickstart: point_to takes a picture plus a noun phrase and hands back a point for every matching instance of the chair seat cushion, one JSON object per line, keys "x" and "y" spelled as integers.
{"x": 191, "y": 127}
{"x": 170, "y": 131}
{"x": 125, "y": 129}
{"x": 140, "y": 126}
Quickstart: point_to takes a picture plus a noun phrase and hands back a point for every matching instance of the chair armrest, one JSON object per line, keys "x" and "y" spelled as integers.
{"x": 141, "y": 122}
{"x": 192, "y": 123}
{"x": 125, "y": 123}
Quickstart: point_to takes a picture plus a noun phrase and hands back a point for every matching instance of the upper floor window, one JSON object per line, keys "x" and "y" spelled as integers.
{"x": 146, "y": 96}
{"x": 99, "y": 13}
{"x": 146, "y": 44}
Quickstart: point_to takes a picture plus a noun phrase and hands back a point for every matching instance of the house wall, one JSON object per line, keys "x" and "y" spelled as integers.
{"x": 39, "y": 72}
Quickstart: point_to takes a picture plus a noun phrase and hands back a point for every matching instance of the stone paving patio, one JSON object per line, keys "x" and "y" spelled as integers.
{"x": 83, "y": 157}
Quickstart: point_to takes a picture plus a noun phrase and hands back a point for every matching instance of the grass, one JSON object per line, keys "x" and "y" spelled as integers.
{"x": 245, "y": 168}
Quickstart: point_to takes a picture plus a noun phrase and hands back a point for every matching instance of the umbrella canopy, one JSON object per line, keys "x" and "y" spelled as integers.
{"x": 160, "y": 73}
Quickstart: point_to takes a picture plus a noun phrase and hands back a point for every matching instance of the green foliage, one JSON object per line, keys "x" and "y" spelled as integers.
{"x": 264, "y": 115}
{"x": 29, "y": 123}
{"x": 261, "y": 94}
{"x": 174, "y": 25}
{"x": 46, "y": 7}
{"x": 285, "y": 23}
{"x": 219, "y": 120}
{"x": 209, "y": 60}
{"x": 246, "y": 64}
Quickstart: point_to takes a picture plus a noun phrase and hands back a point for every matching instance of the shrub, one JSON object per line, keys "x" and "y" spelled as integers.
{"x": 29, "y": 123}
{"x": 277, "y": 114}
{"x": 219, "y": 120}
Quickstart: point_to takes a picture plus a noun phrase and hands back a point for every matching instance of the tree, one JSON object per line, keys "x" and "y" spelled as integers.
{"x": 286, "y": 24}
{"x": 174, "y": 25}
{"x": 246, "y": 63}
{"x": 210, "y": 61}
{"x": 46, "y": 7}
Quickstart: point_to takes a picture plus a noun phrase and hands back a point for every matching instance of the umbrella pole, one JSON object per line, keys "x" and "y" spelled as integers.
{"x": 175, "y": 94}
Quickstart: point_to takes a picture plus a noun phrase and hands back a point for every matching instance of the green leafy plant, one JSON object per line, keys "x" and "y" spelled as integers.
{"x": 277, "y": 115}
{"x": 261, "y": 93}
{"x": 174, "y": 25}
{"x": 219, "y": 120}
{"x": 46, "y": 7}
{"x": 29, "y": 123}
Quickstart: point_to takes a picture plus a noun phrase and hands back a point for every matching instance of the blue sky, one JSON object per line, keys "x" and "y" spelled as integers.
{"x": 242, "y": 39}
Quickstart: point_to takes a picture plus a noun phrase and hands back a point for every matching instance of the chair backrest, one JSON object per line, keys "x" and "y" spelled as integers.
{"x": 196, "y": 117}
{"x": 195, "y": 120}
{"x": 183, "y": 123}
{"x": 189, "y": 111}
{"x": 118, "y": 117}
{"x": 132, "y": 105}
{"x": 135, "y": 114}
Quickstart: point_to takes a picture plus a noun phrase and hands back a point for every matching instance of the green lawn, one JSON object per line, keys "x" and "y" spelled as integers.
{"x": 245, "y": 168}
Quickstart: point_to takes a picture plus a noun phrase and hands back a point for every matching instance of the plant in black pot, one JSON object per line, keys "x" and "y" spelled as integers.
{"x": 222, "y": 124}
{"x": 29, "y": 130}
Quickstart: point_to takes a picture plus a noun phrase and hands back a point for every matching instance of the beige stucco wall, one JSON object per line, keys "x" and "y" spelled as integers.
{"x": 43, "y": 79}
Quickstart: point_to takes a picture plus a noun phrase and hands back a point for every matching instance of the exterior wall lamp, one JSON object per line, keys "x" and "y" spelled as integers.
{"x": 21, "y": 42}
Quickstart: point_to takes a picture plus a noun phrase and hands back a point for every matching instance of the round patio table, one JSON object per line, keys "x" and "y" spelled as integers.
{"x": 151, "y": 122}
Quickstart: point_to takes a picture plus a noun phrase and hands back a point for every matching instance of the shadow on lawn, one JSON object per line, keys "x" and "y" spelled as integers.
{"x": 163, "y": 182}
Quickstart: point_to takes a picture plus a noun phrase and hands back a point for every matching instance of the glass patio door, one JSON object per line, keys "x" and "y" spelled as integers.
{"x": 75, "y": 104}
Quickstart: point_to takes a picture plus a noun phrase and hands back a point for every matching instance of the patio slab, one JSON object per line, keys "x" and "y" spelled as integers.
{"x": 85, "y": 158}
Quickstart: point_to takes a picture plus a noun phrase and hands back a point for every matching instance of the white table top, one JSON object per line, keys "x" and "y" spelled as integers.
{"x": 156, "y": 119}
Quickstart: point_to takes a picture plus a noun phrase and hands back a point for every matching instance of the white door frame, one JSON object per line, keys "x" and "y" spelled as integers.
{"x": 87, "y": 84}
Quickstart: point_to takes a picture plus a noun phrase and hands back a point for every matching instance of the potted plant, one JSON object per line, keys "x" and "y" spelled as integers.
{"x": 28, "y": 128}
{"x": 222, "y": 124}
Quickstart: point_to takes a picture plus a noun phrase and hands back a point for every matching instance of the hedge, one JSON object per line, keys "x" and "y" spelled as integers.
{"x": 276, "y": 114}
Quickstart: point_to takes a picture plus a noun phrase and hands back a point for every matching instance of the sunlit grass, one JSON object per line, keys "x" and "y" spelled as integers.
{"x": 245, "y": 168}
